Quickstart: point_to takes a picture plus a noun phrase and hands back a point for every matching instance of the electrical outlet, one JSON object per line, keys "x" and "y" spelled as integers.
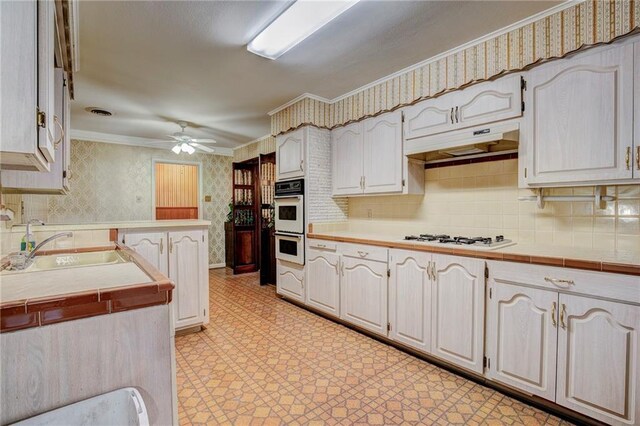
{"x": 207, "y": 198}
{"x": 369, "y": 214}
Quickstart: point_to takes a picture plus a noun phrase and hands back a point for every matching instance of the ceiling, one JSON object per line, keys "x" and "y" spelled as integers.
{"x": 153, "y": 63}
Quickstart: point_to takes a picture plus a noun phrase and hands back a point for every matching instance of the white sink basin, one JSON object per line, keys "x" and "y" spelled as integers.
{"x": 71, "y": 260}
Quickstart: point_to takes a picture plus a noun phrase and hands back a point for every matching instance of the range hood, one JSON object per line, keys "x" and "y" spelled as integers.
{"x": 482, "y": 141}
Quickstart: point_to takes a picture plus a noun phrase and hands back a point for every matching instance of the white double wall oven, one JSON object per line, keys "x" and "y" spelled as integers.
{"x": 289, "y": 206}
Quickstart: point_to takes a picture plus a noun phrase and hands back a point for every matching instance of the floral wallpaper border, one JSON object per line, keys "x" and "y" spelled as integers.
{"x": 584, "y": 24}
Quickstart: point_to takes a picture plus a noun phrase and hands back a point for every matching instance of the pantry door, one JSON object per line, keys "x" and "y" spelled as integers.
{"x": 176, "y": 190}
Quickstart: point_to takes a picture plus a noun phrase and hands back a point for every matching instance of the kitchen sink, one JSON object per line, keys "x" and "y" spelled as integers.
{"x": 71, "y": 260}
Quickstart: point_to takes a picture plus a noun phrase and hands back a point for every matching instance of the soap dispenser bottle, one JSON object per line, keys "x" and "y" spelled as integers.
{"x": 28, "y": 242}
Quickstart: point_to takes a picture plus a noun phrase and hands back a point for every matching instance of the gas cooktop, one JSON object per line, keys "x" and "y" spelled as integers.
{"x": 488, "y": 243}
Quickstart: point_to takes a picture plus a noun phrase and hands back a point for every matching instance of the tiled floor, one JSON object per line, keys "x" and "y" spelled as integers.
{"x": 265, "y": 361}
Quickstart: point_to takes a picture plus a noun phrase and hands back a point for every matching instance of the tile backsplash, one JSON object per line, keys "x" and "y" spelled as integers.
{"x": 482, "y": 199}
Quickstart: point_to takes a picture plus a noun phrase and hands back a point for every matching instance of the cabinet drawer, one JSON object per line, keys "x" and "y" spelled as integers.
{"x": 323, "y": 245}
{"x": 625, "y": 288}
{"x": 364, "y": 252}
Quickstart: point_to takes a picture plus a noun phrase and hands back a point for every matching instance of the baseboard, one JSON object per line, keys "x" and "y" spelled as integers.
{"x": 216, "y": 265}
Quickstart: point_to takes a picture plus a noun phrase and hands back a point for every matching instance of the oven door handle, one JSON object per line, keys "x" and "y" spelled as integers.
{"x": 281, "y": 197}
{"x": 284, "y": 234}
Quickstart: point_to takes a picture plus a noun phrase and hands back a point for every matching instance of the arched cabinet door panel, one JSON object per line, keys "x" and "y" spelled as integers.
{"x": 578, "y": 126}
{"x": 598, "y": 359}
{"x": 323, "y": 281}
{"x": 290, "y": 149}
{"x": 383, "y": 153}
{"x": 152, "y": 246}
{"x": 410, "y": 299}
{"x": 522, "y": 333}
{"x": 458, "y": 311}
{"x": 347, "y": 159}
{"x": 188, "y": 269}
{"x": 364, "y": 293}
{"x": 290, "y": 280}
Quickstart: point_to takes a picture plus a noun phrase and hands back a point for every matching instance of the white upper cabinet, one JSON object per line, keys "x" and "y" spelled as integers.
{"x": 636, "y": 114}
{"x": 410, "y": 298}
{"x": 458, "y": 311}
{"x": 347, "y": 159}
{"x": 578, "y": 128}
{"x": 364, "y": 293}
{"x": 290, "y": 150}
{"x": 383, "y": 154}
{"x": 599, "y": 359}
{"x": 479, "y": 104}
{"x": 56, "y": 180}
{"x": 323, "y": 281}
{"x": 50, "y": 125}
{"x": 521, "y": 335}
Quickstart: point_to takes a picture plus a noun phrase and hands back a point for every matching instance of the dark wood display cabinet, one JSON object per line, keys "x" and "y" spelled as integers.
{"x": 246, "y": 216}
{"x": 267, "y": 219}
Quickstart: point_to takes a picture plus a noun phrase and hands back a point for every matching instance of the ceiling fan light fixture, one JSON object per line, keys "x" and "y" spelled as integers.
{"x": 299, "y": 21}
{"x": 176, "y": 149}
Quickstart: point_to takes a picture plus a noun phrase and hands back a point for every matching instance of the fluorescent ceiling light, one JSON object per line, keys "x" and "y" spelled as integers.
{"x": 299, "y": 21}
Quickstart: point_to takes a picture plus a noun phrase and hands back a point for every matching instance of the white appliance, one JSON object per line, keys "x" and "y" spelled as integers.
{"x": 289, "y": 221}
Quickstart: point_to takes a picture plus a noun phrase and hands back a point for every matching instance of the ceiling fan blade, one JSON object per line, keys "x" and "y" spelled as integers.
{"x": 201, "y": 147}
{"x": 174, "y": 137}
{"x": 203, "y": 140}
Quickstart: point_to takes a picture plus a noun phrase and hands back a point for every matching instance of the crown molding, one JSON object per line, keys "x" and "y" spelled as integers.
{"x": 540, "y": 15}
{"x": 268, "y": 135}
{"x": 299, "y": 98}
{"x": 136, "y": 141}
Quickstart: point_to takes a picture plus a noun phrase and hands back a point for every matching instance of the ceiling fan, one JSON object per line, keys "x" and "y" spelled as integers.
{"x": 188, "y": 144}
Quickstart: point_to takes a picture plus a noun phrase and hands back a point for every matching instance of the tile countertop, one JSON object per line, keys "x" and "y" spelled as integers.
{"x": 570, "y": 257}
{"x": 32, "y": 299}
{"x": 111, "y": 225}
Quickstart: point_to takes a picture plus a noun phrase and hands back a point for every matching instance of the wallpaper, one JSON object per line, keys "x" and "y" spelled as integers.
{"x": 482, "y": 200}
{"x": 264, "y": 145}
{"x": 586, "y": 23}
{"x": 112, "y": 182}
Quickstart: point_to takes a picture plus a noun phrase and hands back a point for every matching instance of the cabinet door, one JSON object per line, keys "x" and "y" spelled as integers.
{"x": 382, "y": 156}
{"x": 410, "y": 299}
{"x": 323, "y": 281}
{"x": 488, "y": 102}
{"x": 364, "y": 294}
{"x": 290, "y": 280}
{"x": 290, "y": 155}
{"x": 578, "y": 126}
{"x": 152, "y": 247}
{"x": 188, "y": 270}
{"x": 458, "y": 311}
{"x": 55, "y": 181}
{"x": 522, "y": 335}
{"x": 636, "y": 105}
{"x": 46, "y": 79}
{"x": 347, "y": 160}
{"x": 598, "y": 359}
{"x": 429, "y": 117}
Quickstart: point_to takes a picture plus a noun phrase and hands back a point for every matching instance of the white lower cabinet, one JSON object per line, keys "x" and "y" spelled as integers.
{"x": 363, "y": 289}
{"x": 183, "y": 257}
{"x": 598, "y": 359}
{"x": 323, "y": 281}
{"x": 410, "y": 298}
{"x": 290, "y": 280}
{"x": 522, "y": 338}
{"x": 549, "y": 336}
{"x": 458, "y": 311}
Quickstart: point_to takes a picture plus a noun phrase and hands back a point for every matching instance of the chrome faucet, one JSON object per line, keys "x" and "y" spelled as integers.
{"x": 31, "y": 255}
{"x": 29, "y": 223}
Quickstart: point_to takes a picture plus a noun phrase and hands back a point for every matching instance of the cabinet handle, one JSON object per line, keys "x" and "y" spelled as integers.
{"x": 161, "y": 245}
{"x": 638, "y": 157}
{"x": 320, "y": 245}
{"x": 553, "y": 315}
{"x": 456, "y": 114}
{"x": 563, "y": 312}
{"x": 301, "y": 164}
{"x": 364, "y": 182}
{"x": 342, "y": 268}
{"x": 559, "y": 283}
{"x": 451, "y": 115}
{"x": 627, "y": 158}
{"x": 170, "y": 245}
{"x": 363, "y": 253}
{"x": 61, "y": 138}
